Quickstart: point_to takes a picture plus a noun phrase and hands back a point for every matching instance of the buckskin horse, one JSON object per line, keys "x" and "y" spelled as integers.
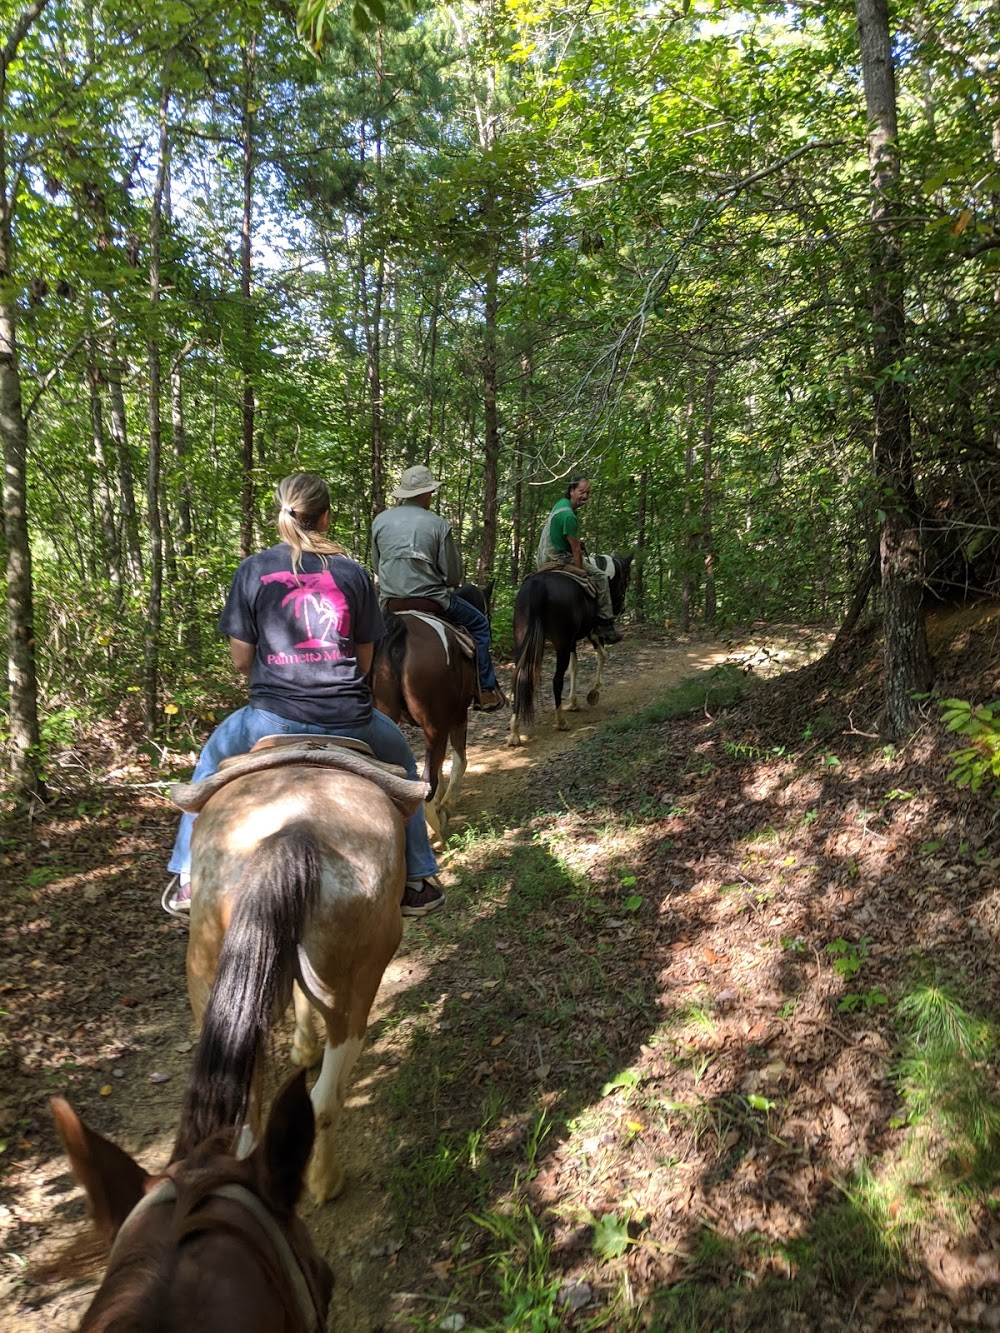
{"x": 212, "y": 1245}
{"x": 297, "y": 877}
{"x": 422, "y": 673}
{"x": 554, "y": 607}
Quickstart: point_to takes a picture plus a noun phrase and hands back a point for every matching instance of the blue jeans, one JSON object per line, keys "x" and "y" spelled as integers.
{"x": 242, "y": 729}
{"x": 461, "y": 612}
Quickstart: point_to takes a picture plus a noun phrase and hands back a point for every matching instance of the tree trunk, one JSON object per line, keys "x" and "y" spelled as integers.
{"x": 639, "y": 583}
{"x": 246, "y": 278}
{"x": 118, "y": 430}
{"x": 154, "y": 606}
{"x": 690, "y": 539}
{"x": 112, "y": 546}
{"x": 491, "y": 431}
{"x": 22, "y": 678}
{"x": 708, "y": 497}
{"x": 907, "y": 661}
{"x": 185, "y": 535}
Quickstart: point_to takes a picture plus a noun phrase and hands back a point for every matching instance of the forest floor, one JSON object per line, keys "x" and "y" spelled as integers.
{"x": 639, "y": 1073}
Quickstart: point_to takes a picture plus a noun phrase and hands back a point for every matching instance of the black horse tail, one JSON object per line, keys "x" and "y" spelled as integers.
{"x": 528, "y": 666}
{"x": 253, "y": 982}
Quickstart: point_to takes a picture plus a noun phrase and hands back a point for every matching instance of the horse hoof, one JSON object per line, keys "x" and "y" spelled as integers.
{"x": 322, "y": 1190}
{"x": 594, "y": 698}
{"x": 573, "y": 706}
{"x": 561, "y": 723}
{"x": 514, "y": 743}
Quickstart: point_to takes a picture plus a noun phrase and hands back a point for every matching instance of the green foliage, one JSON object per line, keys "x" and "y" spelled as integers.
{"x": 947, "y": 1077}
{"x": 979, "y": 760}
{"x": 848, "y": 958}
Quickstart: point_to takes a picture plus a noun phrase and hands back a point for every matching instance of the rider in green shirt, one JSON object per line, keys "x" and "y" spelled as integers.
{"x": 560, "y": 544}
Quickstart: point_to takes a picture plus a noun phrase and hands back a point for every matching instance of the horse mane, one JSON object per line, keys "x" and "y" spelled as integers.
{"x": 253, "y": 983}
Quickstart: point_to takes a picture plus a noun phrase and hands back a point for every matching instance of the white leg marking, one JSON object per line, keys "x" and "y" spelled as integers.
{"x": 458, "y": 767}
{"x": 326, "y": 1171}
{"x": 573, "y": 705}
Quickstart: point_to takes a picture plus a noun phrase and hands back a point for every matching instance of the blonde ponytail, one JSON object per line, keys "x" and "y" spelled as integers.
{"x": 302, "y": 499}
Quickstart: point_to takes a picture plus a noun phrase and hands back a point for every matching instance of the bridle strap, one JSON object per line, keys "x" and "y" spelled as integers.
{"x": 304, "y": 1294}
{"x": 166, "y": 1192}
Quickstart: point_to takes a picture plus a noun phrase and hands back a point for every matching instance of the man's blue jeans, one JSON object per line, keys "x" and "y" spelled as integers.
{"x": 461, "y": 612}
{"x": 240, "y": 731}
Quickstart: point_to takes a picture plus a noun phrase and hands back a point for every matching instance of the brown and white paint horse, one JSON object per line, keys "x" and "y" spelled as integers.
{"x": 297, "y": 877}
{"x": 213, "y": 1244}
{"x": 422, "y": 674}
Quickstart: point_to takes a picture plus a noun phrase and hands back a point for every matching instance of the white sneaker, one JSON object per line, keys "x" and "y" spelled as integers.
{"x": 176, "y": 897}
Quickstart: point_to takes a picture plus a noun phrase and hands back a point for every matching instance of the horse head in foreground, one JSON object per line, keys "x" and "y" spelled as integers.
{"x": 424, "y": 672}
{"x": 212, "y": 1245}
{"x": 557, "y": 607}
{"x": 297, "y": 878}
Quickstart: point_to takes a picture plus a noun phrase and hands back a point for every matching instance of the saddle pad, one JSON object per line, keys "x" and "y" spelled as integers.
{"x": 571, "y": 571}
{"x": 443, "y": 628}
{"x": 305, "y": 738}
{"x": 312, "y": 752}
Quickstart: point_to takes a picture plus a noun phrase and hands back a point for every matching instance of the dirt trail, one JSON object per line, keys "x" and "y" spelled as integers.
{"x": 371, "y": 1265}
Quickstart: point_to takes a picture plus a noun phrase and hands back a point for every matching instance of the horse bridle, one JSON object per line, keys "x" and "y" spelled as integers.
{"x": 313, "y": 1316}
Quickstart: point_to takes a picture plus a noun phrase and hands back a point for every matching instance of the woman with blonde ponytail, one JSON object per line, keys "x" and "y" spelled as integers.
{"x": 303, "y": 619}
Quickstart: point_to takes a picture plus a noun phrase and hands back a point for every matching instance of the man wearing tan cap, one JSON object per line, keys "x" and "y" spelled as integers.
{"x": 414, "y": 555}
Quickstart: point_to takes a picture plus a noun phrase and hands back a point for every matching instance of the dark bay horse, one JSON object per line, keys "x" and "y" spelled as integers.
{"x": 552, "y": 607}
{"x": 297, "y": 878}
{"x": 213, "y": 1244}
{"x": 423, "y": 675}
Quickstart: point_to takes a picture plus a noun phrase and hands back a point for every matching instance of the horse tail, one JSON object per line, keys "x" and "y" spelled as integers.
{"x": 272, "y": 903}
{"x": 528, "y": 666}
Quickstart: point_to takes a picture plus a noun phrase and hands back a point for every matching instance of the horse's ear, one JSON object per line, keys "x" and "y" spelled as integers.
{"x": 287, "y": 1143}
{"x": 113, "y": 1181}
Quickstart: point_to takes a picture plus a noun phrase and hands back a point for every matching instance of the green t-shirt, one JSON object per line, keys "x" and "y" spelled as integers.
{"x": 560, "y": 524}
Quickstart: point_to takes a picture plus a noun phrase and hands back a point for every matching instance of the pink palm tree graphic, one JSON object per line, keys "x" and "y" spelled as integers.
{"x": 318, "y": 601}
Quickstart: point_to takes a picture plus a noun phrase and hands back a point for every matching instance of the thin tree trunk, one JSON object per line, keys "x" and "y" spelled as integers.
{"x": 185, "y": 535}
{"x": 22, "y": 677}
{"x": 907, "y": 660}
{"x": 118, "y": 431}
{"x": 690, "y": 540}
{"x": 154, "y": 606}
{"x": 246, "y": 282}
{"x": 491, "y": 442}
{"x": 708, "y": 496}
{"x": 639, "y": 583}
{"x": 112, "y": 546}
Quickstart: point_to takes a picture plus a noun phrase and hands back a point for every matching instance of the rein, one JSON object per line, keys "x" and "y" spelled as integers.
{"x": 305, "y": 1296}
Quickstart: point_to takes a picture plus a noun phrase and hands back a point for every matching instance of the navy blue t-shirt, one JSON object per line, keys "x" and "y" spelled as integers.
{"x": 305, "y": 627}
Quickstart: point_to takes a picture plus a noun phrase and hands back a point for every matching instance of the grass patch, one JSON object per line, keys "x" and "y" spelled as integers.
{"x": 708, "y": 692}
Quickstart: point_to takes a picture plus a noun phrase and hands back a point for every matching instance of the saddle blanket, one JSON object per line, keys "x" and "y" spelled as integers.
{"x": 443, "y": 628}
{"x": 338, "y": 752}
{"x": 571, "y": 571}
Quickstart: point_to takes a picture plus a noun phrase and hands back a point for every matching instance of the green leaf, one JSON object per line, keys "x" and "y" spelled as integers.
{"x": 611, "y": 1238}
